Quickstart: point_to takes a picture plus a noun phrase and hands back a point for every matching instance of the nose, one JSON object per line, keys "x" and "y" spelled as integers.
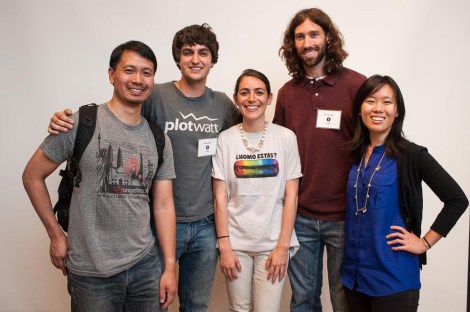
{"x": 137, "y": 78}
{"x": 378, "y": 107}
{"x": 308, "y": 42}
{"x": 195, "y": 58}
{"x": 252, "y": 97}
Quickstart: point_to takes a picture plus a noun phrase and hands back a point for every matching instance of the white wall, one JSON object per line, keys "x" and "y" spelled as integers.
{"x": 54, "y": 54}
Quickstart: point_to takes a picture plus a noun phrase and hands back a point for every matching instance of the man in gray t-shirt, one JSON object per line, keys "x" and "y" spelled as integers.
{"x": 109, "y": 253}
{"x": 192, "y": 115}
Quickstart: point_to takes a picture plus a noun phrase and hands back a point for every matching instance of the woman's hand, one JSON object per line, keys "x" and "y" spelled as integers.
{"x": 277, "y": 264}
{"x": 229, "y": 263}
{"x": 407, "y": 241}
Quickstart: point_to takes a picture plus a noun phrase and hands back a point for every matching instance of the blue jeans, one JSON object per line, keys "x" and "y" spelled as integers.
{"x": 306, "y": 267}
{"x": 197, "y": 255}
{"x": 135, "y": 289}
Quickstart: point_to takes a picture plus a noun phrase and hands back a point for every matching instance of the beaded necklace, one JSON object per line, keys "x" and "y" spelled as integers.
{"x": 377, "y": 168}
{"x": 252, "y": 148}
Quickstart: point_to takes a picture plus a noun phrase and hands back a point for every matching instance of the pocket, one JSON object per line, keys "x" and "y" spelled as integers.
{"x": 210, "y": 219}
{"x": 383, "y": 190}
{"x": 153, "y": 251}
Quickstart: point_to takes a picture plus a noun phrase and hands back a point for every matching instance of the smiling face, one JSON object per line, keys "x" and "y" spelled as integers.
{"x": 378, "y": 112}
{"x": 252, "y": 99}
{"x": 310, "y": 44}
{"x": 195, "y": 62}
{"x": 133, "y": 78}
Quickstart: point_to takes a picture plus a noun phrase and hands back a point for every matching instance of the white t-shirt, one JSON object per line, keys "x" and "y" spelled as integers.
{"x": 256, "y": 184}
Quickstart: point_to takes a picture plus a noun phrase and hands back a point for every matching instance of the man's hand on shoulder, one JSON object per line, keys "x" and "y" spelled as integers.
{"x": 60, "y": 122}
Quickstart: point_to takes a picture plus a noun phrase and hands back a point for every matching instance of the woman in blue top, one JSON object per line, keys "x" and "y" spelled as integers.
{"x": 383, "y": 245}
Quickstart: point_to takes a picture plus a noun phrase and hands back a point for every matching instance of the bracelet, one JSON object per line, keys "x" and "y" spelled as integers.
{"x": 223, "y": 236}
{"x": 427, "y": 243}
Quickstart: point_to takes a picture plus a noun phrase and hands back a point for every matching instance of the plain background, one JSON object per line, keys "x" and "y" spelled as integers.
{"x": 54, "y": 54}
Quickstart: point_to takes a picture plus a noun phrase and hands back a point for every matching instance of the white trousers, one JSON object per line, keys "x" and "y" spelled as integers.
{"x": 252, "y": 291}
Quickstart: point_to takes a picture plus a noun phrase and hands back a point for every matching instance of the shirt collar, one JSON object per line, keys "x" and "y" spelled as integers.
{"x": 329, "y": 79}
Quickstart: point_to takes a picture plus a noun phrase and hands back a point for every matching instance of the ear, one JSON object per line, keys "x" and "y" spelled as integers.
{"x": 111, "y": 75}
{"x": 270, "y": 98}
{"x": 235, "y": 100}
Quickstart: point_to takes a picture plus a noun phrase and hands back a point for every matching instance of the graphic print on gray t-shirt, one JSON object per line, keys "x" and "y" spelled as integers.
{"x": 120, "y": 170}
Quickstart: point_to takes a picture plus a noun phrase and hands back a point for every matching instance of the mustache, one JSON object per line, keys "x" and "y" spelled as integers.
{"x": 309, "y": 49}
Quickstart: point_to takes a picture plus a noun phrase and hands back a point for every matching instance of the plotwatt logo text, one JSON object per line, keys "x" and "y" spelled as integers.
{"x": 178, "y": 125}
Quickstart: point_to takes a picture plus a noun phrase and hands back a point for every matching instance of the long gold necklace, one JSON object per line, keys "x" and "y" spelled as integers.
{"x": 252, "y": 148}
{"x": 377, "y": 168}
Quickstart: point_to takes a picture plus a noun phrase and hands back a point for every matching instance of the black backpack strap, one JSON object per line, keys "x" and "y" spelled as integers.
{"x": 159, "y": 136}
{"x": 85, "y": 130}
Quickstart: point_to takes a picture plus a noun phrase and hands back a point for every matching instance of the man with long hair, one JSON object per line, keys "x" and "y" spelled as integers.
{"x": 317, "y": 105}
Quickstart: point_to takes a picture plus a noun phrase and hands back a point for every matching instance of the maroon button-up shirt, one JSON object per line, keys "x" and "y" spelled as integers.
{"x": 324, "y": 158}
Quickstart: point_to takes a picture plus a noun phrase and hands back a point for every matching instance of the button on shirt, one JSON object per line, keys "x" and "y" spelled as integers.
{"x": 370, "y": 265}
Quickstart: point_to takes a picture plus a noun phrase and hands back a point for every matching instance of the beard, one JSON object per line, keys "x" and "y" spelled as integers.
{"x": 312, "y": 61}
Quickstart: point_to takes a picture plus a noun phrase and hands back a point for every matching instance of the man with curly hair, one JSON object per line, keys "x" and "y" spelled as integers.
{"x": 317, "y": 105}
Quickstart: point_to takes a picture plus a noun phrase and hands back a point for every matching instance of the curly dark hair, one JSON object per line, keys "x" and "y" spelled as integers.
{"x": 335, "y": 54}
{"x": 192, "y": 35}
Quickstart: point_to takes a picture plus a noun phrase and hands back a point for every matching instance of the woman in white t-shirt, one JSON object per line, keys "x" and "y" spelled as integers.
{"x": 256, "y": 173}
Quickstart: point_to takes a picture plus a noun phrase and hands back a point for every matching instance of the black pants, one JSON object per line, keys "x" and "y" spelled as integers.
{"x": 405, "y": 301}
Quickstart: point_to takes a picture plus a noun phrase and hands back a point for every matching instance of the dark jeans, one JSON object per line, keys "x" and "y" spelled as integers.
{"x": 405, "y": 301}
{"x": 133, "y": 290}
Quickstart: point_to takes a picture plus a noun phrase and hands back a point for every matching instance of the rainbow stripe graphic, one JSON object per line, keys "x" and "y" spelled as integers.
{"x": 256, "y": 168}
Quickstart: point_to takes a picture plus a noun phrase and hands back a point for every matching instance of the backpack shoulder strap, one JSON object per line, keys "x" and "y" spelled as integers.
{"x": 85, "y": 130}
{"x": 159, "y": 136}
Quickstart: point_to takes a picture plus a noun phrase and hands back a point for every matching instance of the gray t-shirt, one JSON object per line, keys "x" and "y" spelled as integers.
{"x": 109, "y": 225}
{"x": 187, "y": 121}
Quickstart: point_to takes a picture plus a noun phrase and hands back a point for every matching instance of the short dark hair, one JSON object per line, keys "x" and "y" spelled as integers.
{"x": 395, "y": 142}
{"x": 136, "y": 46}
{"x": 192, "y": 35}
{"x": 255, "y": 74}
{"x": 335, "y": 54}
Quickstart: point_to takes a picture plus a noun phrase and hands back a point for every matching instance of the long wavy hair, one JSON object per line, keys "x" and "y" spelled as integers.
{"x": 395, "y": 142}
{"x": 335, "y": 54}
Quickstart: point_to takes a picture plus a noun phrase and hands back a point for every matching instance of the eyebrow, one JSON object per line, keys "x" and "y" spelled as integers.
{"x": 256, "y": 89}
{"x": 308, "y": 32}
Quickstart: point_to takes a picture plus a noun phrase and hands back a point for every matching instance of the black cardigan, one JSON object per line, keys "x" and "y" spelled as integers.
{"x": 416, "y": 165}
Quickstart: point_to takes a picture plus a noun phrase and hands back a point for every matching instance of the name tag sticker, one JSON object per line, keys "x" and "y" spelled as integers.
{"x": 328, "y": 119}
{"x": 207, "y": 147}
